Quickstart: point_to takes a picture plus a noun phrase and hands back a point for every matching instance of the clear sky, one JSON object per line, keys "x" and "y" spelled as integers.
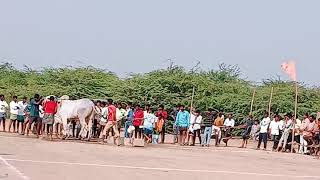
{"x": 140, "y": 35}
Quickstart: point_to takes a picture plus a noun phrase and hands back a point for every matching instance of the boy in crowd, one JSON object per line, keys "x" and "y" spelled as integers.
{"x": 21, "y": 113}
{"x": 164, "y": 115}
{"x": 182, "y": 122}
{"x": 104, "y": 117}
{"x": 255, "y": 130}
{"x": 263, "y": 136}
{"x": 148, "y": 124}
{"x": 3, "y": 107}
{"x": 14, "y": 108}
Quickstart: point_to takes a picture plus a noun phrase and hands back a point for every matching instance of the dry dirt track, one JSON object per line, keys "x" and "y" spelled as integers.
{"x": 29, "y": 158}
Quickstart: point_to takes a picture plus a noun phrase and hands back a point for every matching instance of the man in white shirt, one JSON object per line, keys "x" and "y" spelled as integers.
{"x": 21, "y": 113}
{"x": 229, "y": 122}
{"x": 14, "y": 108}
{"x": 275, "y": 128}
{"x": 263, "y": 136}
{"x": 228, "y": 126}
{"x": 196, "y": 126}
{"x": 286, "y": 132}
{"x": 3, "y": 107}
{"x": 303, "y": 143}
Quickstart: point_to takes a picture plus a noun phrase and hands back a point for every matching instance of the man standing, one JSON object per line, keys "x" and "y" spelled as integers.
{"x": 196, "y": 127}
{"x": 246, "y": 134}
{"x": 182, "y": 122}
{"x": 129, "y": 119}
{"x": 217, "y": 125}
{"x": 208, "y": 123}
{"x": 21, "y": 113}
{"x": 138, "y": 118}
{"x": 173, "y": 115}
{"x": 263, "y": 136}
{"x": 35, "y": 114}
{"x": 148, "y": 124}
{"x": 121, "y": 113}
{"x": 275, "y": 128}
{"x": 286, "y": 132}
{"x": 50, "y": 109}
{"x": 14, "y": 108}
{"x": 228, "y": 127}
{"x": 3, "y": 108}
{"x": 303, "y": 143}
{"x": 112, "y": 123}
{"x": 161, "y": 112}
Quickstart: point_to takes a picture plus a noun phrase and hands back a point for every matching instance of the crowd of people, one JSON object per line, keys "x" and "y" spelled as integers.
{"x": 150, "y": 125}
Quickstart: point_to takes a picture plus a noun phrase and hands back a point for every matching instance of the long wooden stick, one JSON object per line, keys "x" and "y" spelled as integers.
{"x": 270, "y": 101}
{"x": 252, "y": 101}
{"x": 295, "y": 116}
{"x": 193, "y": 89}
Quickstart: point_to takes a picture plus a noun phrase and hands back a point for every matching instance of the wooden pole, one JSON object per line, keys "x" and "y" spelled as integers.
{"x": 271, "y": 94}
{"x": 252, "y": 101}
{"x": 192, "y": 97}
{"x": 295, "y": 116}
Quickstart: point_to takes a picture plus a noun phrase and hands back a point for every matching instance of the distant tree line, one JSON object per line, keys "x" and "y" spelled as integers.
{"x": 222, "y": 89}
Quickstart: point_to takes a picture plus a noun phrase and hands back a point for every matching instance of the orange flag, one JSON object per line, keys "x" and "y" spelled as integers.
{"x": 290, "y": 69}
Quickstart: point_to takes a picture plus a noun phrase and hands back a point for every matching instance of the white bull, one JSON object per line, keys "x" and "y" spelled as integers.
{"x": 82, "y": 109}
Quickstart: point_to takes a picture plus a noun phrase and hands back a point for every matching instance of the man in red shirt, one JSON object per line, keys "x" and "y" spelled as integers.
{"x": 112, "y": 122}
{"x": 50, "y": 109}
{"x": 164, "y": 115}
{"x": 138, "y": 118}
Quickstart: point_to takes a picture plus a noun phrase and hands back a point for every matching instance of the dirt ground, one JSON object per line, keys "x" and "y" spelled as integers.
{"x": 30, "y": 158}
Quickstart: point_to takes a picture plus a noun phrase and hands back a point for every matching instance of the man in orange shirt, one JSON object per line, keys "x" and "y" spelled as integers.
{"x": 218, "y": 123}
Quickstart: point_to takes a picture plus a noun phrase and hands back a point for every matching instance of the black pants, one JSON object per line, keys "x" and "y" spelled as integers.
{"x": 137, "y": 132}
{"x": 263, "y": 137}
{"x": 195, "y": 134}
{"x": 163, "y": 132}
{"x": 275, "y": 139}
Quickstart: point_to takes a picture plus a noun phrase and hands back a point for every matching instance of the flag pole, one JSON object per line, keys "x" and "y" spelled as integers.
{"x": 295, "y": 116}
{"x": 252, "y": 101}
{"x": 271, "y": 94}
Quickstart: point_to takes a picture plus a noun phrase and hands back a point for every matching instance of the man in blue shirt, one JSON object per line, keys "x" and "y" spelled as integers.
{"x": 182, "y": 122}
{"x": 129, "y": 119}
